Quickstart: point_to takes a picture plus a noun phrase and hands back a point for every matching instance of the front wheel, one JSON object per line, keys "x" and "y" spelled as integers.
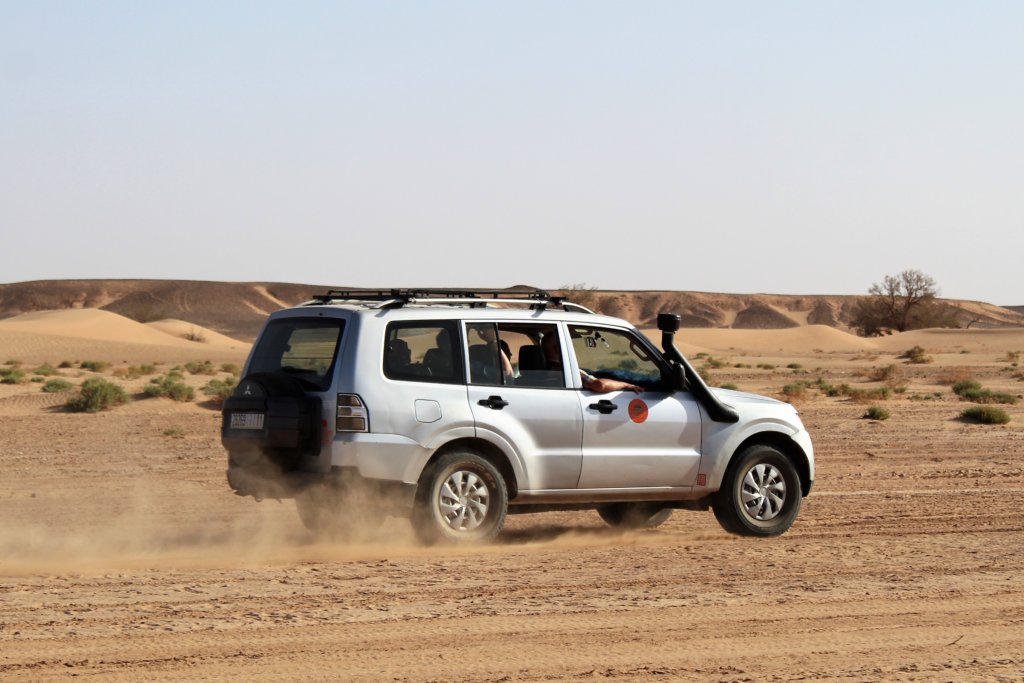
{"x": 760, "y": 494}
{"x": 633, "y": 515}
{"x": 462, "y": 498}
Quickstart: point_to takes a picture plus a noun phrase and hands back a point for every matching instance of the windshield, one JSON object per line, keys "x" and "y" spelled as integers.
{"x": 303, "y": 348}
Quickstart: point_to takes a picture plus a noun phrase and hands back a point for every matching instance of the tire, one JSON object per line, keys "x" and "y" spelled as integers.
{"x": 634, "y": 515}
{"x": 339, "y": 513}
{"x": 760, "y": 494}
{"x": 462, "y": 498}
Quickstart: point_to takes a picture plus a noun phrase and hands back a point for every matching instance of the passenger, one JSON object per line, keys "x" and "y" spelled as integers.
{"x": 600, "y": 385}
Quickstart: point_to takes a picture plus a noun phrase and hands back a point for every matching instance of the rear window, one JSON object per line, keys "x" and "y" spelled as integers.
{"x": 303, "y": 348}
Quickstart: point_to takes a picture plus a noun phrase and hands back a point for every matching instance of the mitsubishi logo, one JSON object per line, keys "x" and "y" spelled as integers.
{"x": 248, "y": 390}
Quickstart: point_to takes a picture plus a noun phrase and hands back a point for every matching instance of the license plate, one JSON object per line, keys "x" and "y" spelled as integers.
{"x": 247, "y": 420}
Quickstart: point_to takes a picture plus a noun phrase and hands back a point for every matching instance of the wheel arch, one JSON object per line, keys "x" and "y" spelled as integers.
{"x": 790, "y": 448}
{"x": 486, "y": 450}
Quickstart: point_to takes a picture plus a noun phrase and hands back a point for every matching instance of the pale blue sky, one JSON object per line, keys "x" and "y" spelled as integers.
{"x": 785, "y": 147}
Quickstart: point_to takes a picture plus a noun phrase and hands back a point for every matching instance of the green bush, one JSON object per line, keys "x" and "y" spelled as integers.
{"x": 220, "y": 389}
{"x": 135, "y": 371}
{"x": 795, "y": 391}
{"x": 12, "y": 375}
{"x": 97, "y": 394}
{"x": 795, "y": 366}
{"x": 230, "y": 368}
{"x": 55, "y": 386}
{"x": 169, "y": 387}
{"x": 916, "y": 355}
{"x": 876, "y": 413}
{"x": 94, "y": 365}
{"x": 969, "y": 390}
{"x": 766, "y": 366}
{"x": 966, "y": 385}
{"x": 204, "y": 368}
{"x": 731, "y": 386}
{"x": 989, "y": 415}
{"x": 66, "y": 364}
{"x": 45, "y": 370}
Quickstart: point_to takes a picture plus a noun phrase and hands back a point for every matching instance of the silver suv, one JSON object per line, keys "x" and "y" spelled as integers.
{"x": 455, "y": 408}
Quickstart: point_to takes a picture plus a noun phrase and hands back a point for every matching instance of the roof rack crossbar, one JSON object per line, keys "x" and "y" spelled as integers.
{"x": 396, "y": 298}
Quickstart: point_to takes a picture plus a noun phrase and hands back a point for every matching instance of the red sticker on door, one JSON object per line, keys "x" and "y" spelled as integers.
{"x": 637, "y": 411}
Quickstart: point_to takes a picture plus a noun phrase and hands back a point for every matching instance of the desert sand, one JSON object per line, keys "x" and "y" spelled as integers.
{"x": 124, "y": 555}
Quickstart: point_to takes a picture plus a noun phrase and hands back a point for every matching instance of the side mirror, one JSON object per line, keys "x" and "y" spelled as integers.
{"x": 669, "y": 322}
{"x": 679, "y": 376}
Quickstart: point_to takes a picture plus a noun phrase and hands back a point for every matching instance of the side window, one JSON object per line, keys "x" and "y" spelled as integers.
{"x": 615, "y": 354}
{"x": 422, "y": 351}
{"x": 515, "y": 354}
{"x": 535, "y": 354}
{"x": 488, "y": 358}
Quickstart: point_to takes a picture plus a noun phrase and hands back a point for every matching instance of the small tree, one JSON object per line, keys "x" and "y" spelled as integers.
{"x": 899, "y": 302}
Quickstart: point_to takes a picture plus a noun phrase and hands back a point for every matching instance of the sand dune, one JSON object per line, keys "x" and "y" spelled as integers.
{"x": 70, "y": 334}
{"x": 953, "y": 341}
{"x": 802, "y": 339}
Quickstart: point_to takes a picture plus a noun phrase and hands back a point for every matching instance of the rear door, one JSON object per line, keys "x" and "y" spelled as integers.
{"x": 517, "y": 399}
{"x": 633, "y": 440}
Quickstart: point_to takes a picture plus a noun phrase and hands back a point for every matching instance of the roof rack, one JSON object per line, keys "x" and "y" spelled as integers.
{"x": 474, "y": 298}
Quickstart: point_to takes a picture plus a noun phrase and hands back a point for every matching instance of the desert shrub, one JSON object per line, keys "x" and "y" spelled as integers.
{"x": 876, "y": 413}
{"x": 965, "y": 386}
{"x": 989, "y": 415}
{"x": 730, "y": 385}
{"x": 12, "y": 375}
{"x": 45, "y": 370}
{"x": 174, "y": 432}
{"x": 742, "y": 365}
{"x": 889, "y": 374}
{"x": 66, "y": 364}
{"x": 135, "y": 371}
{"x": 219, "y": 389}
{"x": 55, "y": 386}
{"x": 230, "y": 368}
{"x": 916, "y": 355}
{"x": 169, "y": 387}
{"x": 204, "y": 368}
{"x": 766, "y": 366}
{"x": 1012, "y": 357}
{"x": 97, "y": 394}
{"x": 876, "y": 394}
{"x": 94, "y": 365}
{"x": 795, "y": 366}
{"x": 795, "y": 391}
{"x": 970, "y": 390}
{"x": 703, "y": 354}
{"x": 13, "y": 362}
{"x": 195, "y": 335}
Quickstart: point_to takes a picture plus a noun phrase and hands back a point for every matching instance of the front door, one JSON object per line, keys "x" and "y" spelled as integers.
{"x": 633, "y": 440}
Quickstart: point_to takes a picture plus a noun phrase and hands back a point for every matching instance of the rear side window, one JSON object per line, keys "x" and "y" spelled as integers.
{"x": 303, "y": 348}
{"x": 423, "y": 351}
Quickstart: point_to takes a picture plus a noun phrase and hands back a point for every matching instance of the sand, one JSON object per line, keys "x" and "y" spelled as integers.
{"x": 125, "y": 556}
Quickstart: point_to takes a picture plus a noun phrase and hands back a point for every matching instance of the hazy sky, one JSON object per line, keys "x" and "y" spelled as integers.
{"x": 785, "y": 147}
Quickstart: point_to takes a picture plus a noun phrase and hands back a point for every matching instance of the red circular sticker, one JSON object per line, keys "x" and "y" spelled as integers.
{"x": 637, "y": 411}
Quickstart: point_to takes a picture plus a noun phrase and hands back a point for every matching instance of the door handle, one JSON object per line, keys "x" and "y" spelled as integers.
{"x": 604, "y": 406}
{"x": 495, "y": 402}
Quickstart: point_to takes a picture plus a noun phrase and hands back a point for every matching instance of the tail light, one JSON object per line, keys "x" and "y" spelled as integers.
{"x": 352, "y": 414}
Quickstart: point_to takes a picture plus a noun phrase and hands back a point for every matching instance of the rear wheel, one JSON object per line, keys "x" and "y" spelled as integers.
{"x": 634, "y": 515}
{"x": 462, "y": 498}
{"x": 760, "y": 494}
